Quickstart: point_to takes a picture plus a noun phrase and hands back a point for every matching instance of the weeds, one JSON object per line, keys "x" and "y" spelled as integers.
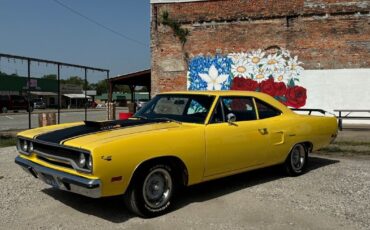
{"x": 7, "y": 141}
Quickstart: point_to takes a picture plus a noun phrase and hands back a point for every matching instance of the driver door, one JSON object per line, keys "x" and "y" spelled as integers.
{"x": 234, "y": 146}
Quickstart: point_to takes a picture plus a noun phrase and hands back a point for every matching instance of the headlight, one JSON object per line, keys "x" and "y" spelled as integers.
{"x": 89, "y": 163}
{"x": 24, "y": 146}
{"x": 30, "y": 147}
{"x": 82, "y": 160}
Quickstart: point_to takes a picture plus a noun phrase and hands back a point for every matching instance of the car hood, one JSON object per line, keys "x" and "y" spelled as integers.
{"x": 95, "y": 139}
{"x": 80, "y": 135}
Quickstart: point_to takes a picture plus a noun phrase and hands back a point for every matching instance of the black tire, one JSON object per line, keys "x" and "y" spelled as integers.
{"x": 296, "y": 162}
{"x": 151, "y": 192}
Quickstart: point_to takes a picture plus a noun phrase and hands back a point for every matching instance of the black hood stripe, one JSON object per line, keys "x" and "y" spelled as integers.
{"x": 60, "y": 135}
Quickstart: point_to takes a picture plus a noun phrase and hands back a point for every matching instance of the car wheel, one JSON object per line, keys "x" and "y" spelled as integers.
{"x": 296, "y": 162}
{"x": 30, "y": 109}
{"x": 4, "y": 109}
{"x": 151, "y": 192}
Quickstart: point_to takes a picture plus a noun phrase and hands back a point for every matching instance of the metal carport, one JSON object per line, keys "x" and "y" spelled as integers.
{"x": 141, "y": 78}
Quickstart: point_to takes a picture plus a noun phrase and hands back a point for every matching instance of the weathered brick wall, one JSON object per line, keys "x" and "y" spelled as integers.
{"x": 325, "y": 34}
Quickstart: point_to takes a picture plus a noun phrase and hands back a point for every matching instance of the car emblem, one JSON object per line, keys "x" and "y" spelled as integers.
{"x": 107, "y": 158}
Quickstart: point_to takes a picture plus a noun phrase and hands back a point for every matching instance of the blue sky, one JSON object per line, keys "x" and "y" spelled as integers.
{"x": 44, "y": 29}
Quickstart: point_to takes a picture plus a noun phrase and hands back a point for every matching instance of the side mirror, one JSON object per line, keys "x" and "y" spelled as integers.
{"x": 231, "y": 118}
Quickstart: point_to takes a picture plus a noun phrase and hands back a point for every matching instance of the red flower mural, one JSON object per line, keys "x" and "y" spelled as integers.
{"x": 296, "y": 96}
{"x": 268, "y": 87}
{"x": 291, "y": 95}
{"x": 280, "y": 88}
{"x": 240, "y": 83}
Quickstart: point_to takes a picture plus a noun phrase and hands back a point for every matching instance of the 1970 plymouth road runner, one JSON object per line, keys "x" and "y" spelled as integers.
{"x": 177, "y": 139}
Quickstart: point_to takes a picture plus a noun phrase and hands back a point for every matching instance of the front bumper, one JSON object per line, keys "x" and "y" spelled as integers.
{"x": 62, "y": 180}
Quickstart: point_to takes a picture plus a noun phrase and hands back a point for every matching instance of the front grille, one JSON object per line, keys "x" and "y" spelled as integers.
{"x": 50, "y": 161}
{"x": 56, "y": 155}
{"x": 56, "y": 151}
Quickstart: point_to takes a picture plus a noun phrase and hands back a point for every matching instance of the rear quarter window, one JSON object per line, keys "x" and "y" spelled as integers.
{"x": 265, "y": 110}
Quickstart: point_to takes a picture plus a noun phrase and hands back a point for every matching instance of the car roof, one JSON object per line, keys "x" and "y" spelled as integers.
{"x": 262, "y": 96}
{"x": 217, "y": 92}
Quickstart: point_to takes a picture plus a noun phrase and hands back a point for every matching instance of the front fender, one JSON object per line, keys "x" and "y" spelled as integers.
{"x": 121, "y": 157}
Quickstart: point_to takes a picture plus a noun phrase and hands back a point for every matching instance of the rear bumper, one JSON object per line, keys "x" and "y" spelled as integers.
{"x": 62, "y": 180}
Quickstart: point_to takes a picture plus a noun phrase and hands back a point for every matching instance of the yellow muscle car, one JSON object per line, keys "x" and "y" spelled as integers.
{"x": 177, "y": 139}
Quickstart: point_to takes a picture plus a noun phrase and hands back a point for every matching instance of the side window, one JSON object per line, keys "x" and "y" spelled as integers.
{"x": 265, "y": 110}
{"x": 241, "y": 107}
{"x": 218, "y": 116}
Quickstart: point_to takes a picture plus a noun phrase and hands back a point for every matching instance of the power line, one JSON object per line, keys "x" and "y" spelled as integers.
{"x": 99, "y": 24}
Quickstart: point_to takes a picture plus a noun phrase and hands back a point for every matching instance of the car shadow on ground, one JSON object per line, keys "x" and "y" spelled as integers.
{"x": 108, "y": 208}
{"x": 113, "y": 209}
{"x": 217, "y": 188}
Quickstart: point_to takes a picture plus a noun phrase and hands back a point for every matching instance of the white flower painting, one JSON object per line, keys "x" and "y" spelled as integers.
{"x": 213, "y": 79}
{"x": 240, "y": 66}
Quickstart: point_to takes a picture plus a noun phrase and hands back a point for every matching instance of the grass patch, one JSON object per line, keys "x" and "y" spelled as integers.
{"x": 352, "y": 143}
{"x": 7, "y": 141}
{"x": 331, "y": 149}
{"x": 347, "y": 151}
{"x": 347, "y": 148}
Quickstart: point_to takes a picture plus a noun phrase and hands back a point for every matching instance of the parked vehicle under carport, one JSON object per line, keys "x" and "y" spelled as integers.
{"x": 15, "y": 103}
{"x": 39, "y": 103}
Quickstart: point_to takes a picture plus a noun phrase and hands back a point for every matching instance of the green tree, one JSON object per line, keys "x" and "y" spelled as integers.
{"x": 3, "y": 74}
{"x": 50, "y": 76}
{"x": 74, "y": 80}
{"x": 100, "y": 87}
{"x": 122, "y": 88}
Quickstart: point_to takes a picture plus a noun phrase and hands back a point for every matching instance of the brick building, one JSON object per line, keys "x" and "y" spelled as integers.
{"x": 327, "y": 41}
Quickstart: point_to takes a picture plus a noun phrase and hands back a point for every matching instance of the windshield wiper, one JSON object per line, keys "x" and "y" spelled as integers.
{"x": 167, "y": 119}
{"x": 158, "y": 118}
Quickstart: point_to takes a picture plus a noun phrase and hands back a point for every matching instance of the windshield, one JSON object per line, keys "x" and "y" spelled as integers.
{"x": 178, "y": 107}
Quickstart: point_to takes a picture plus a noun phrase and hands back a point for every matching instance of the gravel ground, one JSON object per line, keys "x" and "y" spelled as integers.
{"x": 334, "y": 194}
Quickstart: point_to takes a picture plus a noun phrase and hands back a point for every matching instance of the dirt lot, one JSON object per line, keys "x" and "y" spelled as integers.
{"x": 334, "y": 194}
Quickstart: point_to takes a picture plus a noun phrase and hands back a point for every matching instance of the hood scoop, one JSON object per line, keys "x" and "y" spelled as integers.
{"x": 103, "y": 125}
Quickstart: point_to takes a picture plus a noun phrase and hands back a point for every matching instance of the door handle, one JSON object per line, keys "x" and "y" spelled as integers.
{"x": 263, "y": 131}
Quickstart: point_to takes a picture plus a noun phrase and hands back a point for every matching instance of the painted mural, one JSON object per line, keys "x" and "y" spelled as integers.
{"x": 274, "y": 73}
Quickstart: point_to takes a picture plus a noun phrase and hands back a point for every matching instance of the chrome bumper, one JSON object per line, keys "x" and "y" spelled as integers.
{"x": 62, "y": 180}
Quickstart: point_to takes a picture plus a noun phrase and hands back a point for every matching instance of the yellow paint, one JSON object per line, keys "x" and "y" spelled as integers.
{"x": 255, "y": 60}
{"x": 241, "y": 69}
{"x": 209, "y": 151}
{"x": 259, "y": 76}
